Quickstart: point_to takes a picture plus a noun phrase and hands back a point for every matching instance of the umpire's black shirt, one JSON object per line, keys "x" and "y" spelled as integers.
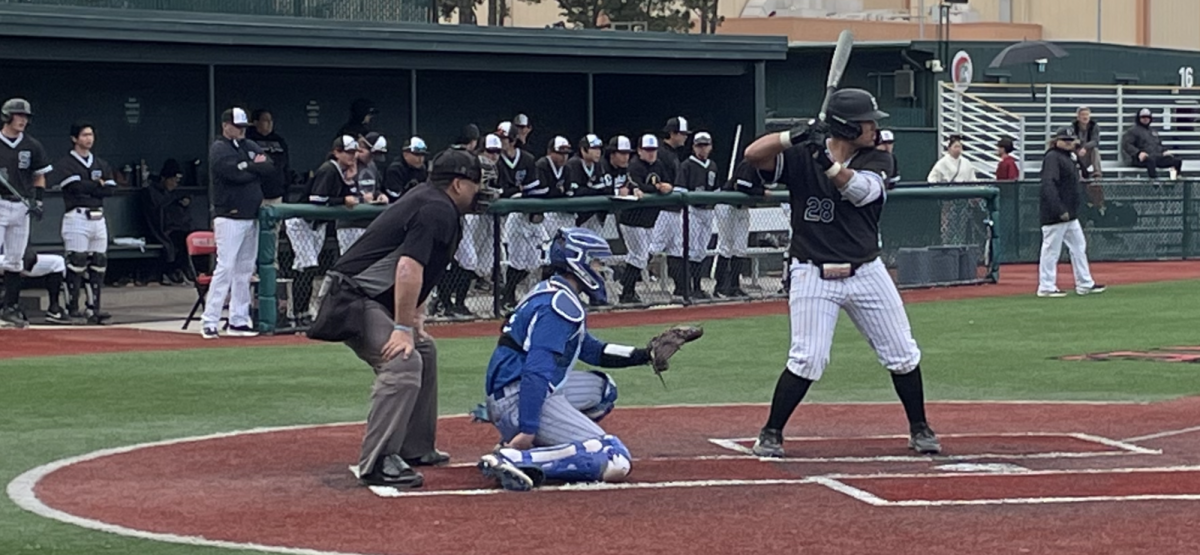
{"x": 825, "y": 227}
{"x": 423, "y": 225}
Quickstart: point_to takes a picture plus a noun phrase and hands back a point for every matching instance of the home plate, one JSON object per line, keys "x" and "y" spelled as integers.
{"x": 998, "y": 468}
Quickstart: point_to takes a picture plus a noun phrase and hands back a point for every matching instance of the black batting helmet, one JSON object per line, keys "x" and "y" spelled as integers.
{"x": 848, "y": 107}
{"x": 15, "y": 106}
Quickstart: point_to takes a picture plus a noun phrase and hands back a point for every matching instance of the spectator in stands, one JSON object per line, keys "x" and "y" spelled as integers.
{"x": 1006, "y": 169}
{"x": 172, "y": 218}
{"x": 1088, "y": 132}
{"x": 953, "y": 167}
{"x": 264, "y": 135}
{"x": 1143, "y": 148}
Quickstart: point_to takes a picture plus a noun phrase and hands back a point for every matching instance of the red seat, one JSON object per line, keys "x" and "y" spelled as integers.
{"x": 200, "y": 244}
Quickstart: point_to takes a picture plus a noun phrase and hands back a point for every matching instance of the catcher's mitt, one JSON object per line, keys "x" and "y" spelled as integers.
{"x": 664, "y": 345}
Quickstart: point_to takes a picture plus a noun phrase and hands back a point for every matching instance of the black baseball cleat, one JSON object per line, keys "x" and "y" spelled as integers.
{"x": 769, "y": 443}
{"x": 242, "y": 331}
{"x": 392, "y": 471}
{"x": 13, "y": 317}
{"x": 432, "y": 458}
{"x": 923, "y": 440}
{"x": 57, "y": 315}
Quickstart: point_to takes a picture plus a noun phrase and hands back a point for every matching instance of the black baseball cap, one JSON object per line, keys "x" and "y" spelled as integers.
{"x": 620, "y": 143}
{"x": 702, "y": 138}
{"x": 677, "y": 125}
{"x": 1065, "y": 134}
{"x": 456, "y": 163}
{"x": 236, "y": 116}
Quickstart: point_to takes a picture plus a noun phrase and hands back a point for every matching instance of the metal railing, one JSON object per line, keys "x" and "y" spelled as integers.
{"x": 983, "y": 122}
{"x": 930, "y": 236}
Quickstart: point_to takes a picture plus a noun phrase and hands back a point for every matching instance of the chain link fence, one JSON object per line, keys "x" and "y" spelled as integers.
{"x": 678, "y": 249}
{"x": 355, "y": 10}
{"x": 1123, "y": 219}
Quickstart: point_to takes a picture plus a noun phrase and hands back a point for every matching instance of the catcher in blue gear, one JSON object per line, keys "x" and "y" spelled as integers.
{"x": 545, "y": 410}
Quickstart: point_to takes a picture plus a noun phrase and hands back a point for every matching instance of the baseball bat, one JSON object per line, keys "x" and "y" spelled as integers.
{"x": 4, "y": 181}
{"x": 841, "y": 56}
{"x": 737, "y": 138}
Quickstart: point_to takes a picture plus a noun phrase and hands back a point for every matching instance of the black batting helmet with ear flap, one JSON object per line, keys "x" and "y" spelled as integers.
{"x": 15, "y": 106}
{"x": 847, "y": 108}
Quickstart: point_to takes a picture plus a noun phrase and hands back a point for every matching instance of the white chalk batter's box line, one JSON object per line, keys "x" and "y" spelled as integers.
{"x": 835, "y": 483}
{"x": 1122, "y": 448}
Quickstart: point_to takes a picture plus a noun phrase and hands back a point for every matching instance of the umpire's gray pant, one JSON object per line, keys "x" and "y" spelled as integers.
{"x": 403, "y": 417}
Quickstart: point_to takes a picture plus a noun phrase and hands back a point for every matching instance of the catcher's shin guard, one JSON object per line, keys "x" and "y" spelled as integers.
{"x": 603, "y": 459}
{"x": 77, "y": 263}
{"x": 96, "y": 270}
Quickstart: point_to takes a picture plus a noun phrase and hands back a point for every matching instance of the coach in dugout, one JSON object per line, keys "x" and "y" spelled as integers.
{"x": 375, "y": 303}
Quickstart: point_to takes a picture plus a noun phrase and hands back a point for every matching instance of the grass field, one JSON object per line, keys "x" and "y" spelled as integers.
{"x": 1002, "y": 348}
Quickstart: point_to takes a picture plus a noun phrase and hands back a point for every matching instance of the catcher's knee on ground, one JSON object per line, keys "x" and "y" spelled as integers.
{"x": 603, "y": 459}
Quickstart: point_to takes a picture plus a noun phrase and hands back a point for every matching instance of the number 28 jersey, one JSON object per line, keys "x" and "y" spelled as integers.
{"x": 825, "y": 227}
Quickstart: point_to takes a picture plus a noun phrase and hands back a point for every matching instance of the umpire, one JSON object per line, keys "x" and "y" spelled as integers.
{"x": 375, "y": 303}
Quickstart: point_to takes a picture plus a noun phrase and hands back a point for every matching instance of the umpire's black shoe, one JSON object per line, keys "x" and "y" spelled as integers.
{"x": 432, "y": 458}
{"x": 392, "y": 471}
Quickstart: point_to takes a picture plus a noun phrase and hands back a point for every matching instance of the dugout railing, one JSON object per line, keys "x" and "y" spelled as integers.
{"x": 931, "y": 236}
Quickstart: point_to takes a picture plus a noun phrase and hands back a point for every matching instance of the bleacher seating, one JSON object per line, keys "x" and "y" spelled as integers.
{"x": 989, "y": 110}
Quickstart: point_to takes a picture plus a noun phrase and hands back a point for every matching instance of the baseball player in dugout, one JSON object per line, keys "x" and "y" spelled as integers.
{"x": 698, "y": 173}
{"x": 374, "y": 300}
{"x": 733, "y": 227}
{"x": 239, "y": 167}
{"x": 408, "y": 170}
{"x": 262, "y": 132}
{"x": 647, "y": 175}
{"x": 516, "y": 174}
{"x": 523, "y": 127}
{"x": 85, "y": 180}
{"x": 368, "y": 187}
{"x": 675, "y": 149}
{"x": 552, "y": 172}
{"x": 835, "y": 177}
{"x": 585, "y": 178}
{"x": 23, "y": 169}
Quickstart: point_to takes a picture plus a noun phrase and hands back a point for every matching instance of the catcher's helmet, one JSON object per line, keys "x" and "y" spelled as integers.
{"x": 15, "y": 106}
{"x": 574, "y": 250}
{"x": 848, "y": 107}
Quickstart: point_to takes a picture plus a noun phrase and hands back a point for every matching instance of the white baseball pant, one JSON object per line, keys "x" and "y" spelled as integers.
{"x": 347, "y": 236}
{"x": 558, "y": 220}
{"x": 1053, "y": 238}
{"x": 700, "y": 229}
{"x": 475, "y": 249}
{"x": 83, "y": 235}
{"x": 237, "y": 253}
{"x": 637, "y": 245}
{"x": 14, "y": 229}
{"x": 306, "y": 242}
{"x": 667, "y": 228}
{"x": 870, "y": 299}
{"x": 525, "y": 241}
{"x": 733, "y": 230}
{"x": 47, "y": 264}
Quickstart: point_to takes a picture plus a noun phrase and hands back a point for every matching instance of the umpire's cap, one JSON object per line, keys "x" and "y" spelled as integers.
{"x": 456, "y": 163}
{"x": 16, "y": 106}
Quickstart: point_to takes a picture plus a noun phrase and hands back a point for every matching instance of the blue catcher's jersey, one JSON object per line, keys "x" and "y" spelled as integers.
{"x": 549, "y": 318}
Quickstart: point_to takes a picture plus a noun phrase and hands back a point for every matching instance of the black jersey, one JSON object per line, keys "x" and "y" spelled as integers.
{"x": 366, "y": 180}
{"x": 825, "y": 227}
{"x": 400, "y": 178}
{"x": 751, "y": 180}
{"x": 697, "y": 176}
{"x": 274, "y": 186}
{"x": 646, "y": 176}
{"x": 518, "y": 175}
{"x": 553, "y": 178}
{"x": 20, "y": 160}
{"x": 614, "y": 178}
{"x": 585, "y": 181}
{"x": 330, "y": 186}
{"x": 424, "y": 226}
{"x": 84, "y": 181}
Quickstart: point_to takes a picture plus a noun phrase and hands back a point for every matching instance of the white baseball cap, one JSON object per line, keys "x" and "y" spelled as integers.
{"x": 492, "y": 142}
{"x": 620, "y": 143}
{"x": 593, "y": 141}
{"x": 377, "y": 142}
{"x": 346, "y": 143}
{"x": 561, "y": 145}
{"x": 649, "y": 142}
{"x": 236, "y": 116}
{"x": 702, "y": 138}
{"x": 504, "y": 130}
{"x": 415, "y": 145}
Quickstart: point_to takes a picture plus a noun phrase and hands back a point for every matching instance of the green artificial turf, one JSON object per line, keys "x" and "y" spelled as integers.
{"x": 1001, "y": 348}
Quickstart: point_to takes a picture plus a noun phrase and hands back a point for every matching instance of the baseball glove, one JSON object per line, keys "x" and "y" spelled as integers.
{"x": 664, "y": 345}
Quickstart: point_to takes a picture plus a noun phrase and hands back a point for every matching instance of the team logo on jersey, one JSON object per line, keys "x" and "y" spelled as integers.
{"x": 712, "y": 179}
{"x": 24, "y": 159}
{"x": 367, "y": 185}
{"x": 95, "y": 175}
{"x": 520, "y": 175}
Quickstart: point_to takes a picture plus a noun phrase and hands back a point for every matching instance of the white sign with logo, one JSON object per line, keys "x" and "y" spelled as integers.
{"x": 962, "y": 71}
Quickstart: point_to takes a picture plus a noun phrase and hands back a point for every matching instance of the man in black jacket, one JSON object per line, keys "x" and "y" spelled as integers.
{"x": 238, "y": 169}
{"x": 1060, "y": 199}
{"x": 263, "y": 134}
{"x": 1142, "y": 146}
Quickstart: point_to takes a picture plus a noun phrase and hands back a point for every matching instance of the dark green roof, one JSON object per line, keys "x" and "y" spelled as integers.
{"x": 121, "y": 29}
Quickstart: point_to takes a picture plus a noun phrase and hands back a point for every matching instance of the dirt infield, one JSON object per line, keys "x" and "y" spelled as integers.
{"x": 1016, "y": 478}
{"x": 1020, "y": 279}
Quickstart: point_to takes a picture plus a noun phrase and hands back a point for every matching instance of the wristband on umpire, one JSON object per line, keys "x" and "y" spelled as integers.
{"x": 402, "y": 327}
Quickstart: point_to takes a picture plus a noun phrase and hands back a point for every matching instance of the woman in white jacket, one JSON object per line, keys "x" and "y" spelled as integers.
{"x": 959, "y": 217}
{"x": 953, "y": 167}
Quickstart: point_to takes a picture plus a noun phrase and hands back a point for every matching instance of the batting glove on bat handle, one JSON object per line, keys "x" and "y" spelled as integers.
{"x": 811, "y": 131}
{"x": 37, "y": 211}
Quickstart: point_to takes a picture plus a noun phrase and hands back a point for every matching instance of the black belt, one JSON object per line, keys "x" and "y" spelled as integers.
{"x": 86, "y": 209}
{"x": 11, "y": 198}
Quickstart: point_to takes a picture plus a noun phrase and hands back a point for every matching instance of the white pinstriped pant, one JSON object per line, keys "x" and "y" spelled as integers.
{"x": 237, "y": 252}
{"x": 83, "y": 235}
{"x": 873, "y": 304}
{"x": 562, "y": 422}
{"x": 733, "y": 230}
{"x": 14, "y": 231}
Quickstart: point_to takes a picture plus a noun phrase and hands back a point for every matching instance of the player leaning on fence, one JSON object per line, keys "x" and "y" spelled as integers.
{"x": 374, "y": 301}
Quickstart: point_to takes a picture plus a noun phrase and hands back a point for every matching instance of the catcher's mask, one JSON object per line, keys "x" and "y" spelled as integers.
{"x": 847, "y": 109}
{"x": 582, "y": 253}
